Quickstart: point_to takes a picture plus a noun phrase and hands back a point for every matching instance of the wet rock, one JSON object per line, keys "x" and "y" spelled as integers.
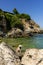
{"x": 33, "y": 57}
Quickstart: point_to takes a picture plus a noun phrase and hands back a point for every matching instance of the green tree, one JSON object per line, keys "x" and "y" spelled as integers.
{"x": 15, "y": 11}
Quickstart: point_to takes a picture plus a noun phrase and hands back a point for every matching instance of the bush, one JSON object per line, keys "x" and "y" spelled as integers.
{"x": 15, "y": 11}
{"x": 13, "y": 19}
{"x": 8, "y": 18}
{"x": 18, "y": 24}
{"x": 26, "y": 16}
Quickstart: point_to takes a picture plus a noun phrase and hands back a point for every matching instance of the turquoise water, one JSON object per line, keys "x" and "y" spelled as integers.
{"x": 33, "y": 42}
{"x": 30, "y": 42}
{"x": 38, "y": 40}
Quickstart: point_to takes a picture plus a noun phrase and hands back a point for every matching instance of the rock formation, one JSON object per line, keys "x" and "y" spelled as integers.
{"x": 23, "y": 22}
{"x": 30, "y": 26}
{"x": 41, "y": 31}
{"x": 33, "y": 57}
{"x": 3, "y": 25}
{"x": 8, "y": 56}
{"x": 15, "y": 32}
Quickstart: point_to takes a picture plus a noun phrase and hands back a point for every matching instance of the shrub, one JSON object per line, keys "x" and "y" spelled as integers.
{"x": 18, "y": 24}
{"x": 15, "y": 11}
{"x": 26, "y": 16}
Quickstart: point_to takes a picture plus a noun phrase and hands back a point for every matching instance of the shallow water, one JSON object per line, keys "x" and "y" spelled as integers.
{"x": 33, "y": 42}
{"x": 30, "y": 42}
{"x": 38, "y": 39}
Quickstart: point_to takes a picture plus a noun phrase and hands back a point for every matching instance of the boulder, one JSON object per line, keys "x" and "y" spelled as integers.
{"x": 11, "y": 33}
{"x": 33, "y": 57}
{"x": 18, "y": 33}
{"x": 15, "y": 32}
{"x": 8, "y": 56}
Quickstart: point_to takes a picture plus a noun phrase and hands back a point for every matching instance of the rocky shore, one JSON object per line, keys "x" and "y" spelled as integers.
{"x": 33, "y": 57}
{"x": 8, "y": 56}
{"x": 11, "y": 57}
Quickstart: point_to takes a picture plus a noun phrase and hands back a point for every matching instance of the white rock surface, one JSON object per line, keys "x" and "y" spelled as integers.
{"x": 8, "y": 56}
{"x": 33, "y": 57}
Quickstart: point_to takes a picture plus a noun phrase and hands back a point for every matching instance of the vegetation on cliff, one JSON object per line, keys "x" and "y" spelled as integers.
{"x": 13, "y": 19}
{"x": 19, "y": 24}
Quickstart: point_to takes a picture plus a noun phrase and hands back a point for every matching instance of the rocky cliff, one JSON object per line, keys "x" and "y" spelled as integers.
{"x": 30, "y": 26}
{"x": 22, "y": 22}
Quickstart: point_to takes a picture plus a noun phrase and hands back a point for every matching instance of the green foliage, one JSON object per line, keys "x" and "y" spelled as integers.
{"x": 15, "y": 11}
{"x": 8, "y": 18}
{"x": 13, "y": 19}
{"x": 0, "y": 10}
{"x": 1, "y": 14}
{"x": 1, "y": 17}
{"x": 25, "y": 16}
{"x": 16, "y": 23}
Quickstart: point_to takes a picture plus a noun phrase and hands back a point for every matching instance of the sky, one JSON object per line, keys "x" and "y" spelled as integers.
{"x": 32, "y": 7}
